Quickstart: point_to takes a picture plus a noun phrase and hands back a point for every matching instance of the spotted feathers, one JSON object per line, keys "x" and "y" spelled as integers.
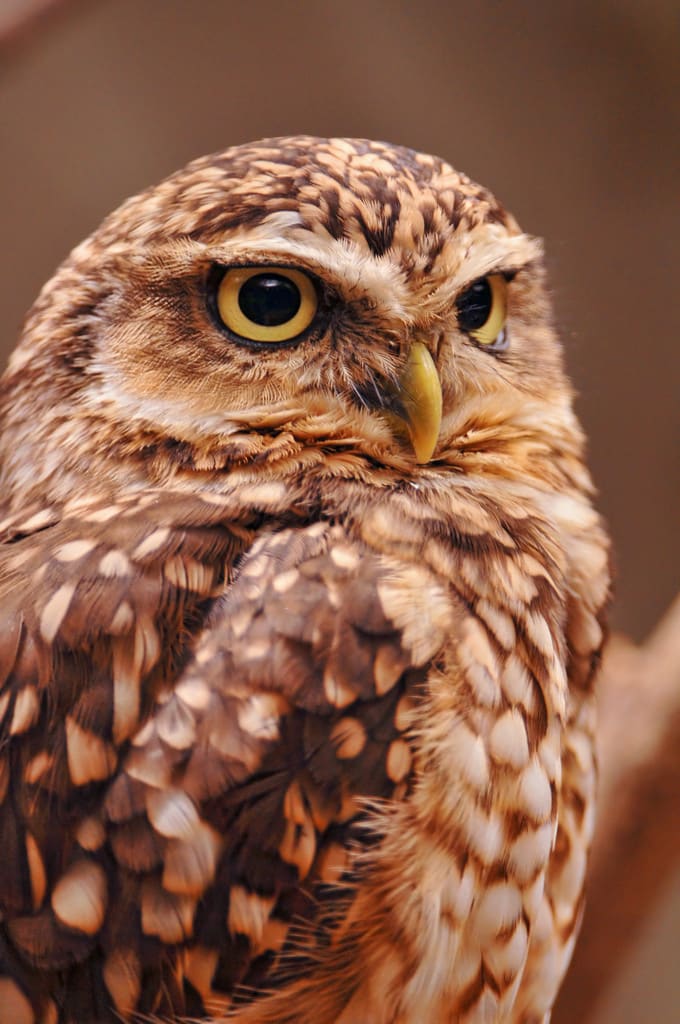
{"x": 293, "y": 726}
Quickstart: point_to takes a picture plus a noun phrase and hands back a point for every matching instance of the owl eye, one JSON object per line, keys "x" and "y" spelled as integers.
{"x": 266, "y": 304}
{"x": 482, "y": 310}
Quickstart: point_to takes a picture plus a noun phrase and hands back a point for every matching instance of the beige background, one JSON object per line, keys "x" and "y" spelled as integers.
{"x": 565, "y": 109}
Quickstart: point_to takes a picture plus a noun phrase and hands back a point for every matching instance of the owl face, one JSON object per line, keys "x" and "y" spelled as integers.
{"x": 295, "y": 296}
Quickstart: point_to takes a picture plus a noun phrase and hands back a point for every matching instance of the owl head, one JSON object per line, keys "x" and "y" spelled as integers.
{"x": 298, "y": 302}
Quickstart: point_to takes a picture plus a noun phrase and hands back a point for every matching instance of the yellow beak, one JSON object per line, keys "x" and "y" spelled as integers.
{"x": 420, "y": 394}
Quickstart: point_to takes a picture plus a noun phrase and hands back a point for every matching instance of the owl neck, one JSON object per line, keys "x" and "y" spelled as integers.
{"x": 74, "y": 455}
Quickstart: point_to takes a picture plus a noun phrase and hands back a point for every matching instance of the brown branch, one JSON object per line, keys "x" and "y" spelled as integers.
{"x": 637, "y": 844}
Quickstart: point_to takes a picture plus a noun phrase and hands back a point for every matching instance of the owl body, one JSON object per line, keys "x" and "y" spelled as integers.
{"x": 302, "y": 592}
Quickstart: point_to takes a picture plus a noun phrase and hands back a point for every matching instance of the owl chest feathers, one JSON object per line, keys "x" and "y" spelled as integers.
{"x": 459, "y": 879}
{"x": 440, "y": 927}
{"x": 419, "y": 636}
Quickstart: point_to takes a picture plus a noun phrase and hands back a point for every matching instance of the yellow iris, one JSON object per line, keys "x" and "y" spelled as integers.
{"x": 489, "y": 332}
{"x": 266, "y": 304}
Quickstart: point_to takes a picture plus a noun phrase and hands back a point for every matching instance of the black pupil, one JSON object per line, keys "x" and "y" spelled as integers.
{"x": 474, "y": 306}
{"x": 269, "y": 299}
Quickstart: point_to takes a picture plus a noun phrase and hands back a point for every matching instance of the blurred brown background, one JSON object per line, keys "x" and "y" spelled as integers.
{"x": 568, "y": 110}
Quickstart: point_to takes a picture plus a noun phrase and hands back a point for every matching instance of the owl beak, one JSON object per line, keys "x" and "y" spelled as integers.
{"x": 420, "y": 398}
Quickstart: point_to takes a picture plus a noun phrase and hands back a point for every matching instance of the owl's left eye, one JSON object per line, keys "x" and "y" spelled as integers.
{"x": 482, "y": 310}
{"x": 266, "y": 304}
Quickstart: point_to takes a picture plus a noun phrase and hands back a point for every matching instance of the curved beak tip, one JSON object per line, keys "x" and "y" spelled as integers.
{"x": 421, "y": 398}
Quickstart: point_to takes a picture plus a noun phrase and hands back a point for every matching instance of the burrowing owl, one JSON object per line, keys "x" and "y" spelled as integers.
{"x": 302, "y": 594}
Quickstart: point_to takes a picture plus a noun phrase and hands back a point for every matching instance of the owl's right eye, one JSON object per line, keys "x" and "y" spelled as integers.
{"x": 266, "y": 304}
{"x": 482, "y": 310}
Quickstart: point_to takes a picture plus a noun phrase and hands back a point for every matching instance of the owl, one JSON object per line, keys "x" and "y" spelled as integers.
{"x": 302, "y": 596}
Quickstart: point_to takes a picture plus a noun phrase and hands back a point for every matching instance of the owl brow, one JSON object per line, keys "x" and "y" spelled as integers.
{"x": 514, "y": 255}
{"x": 341, "y": 261}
